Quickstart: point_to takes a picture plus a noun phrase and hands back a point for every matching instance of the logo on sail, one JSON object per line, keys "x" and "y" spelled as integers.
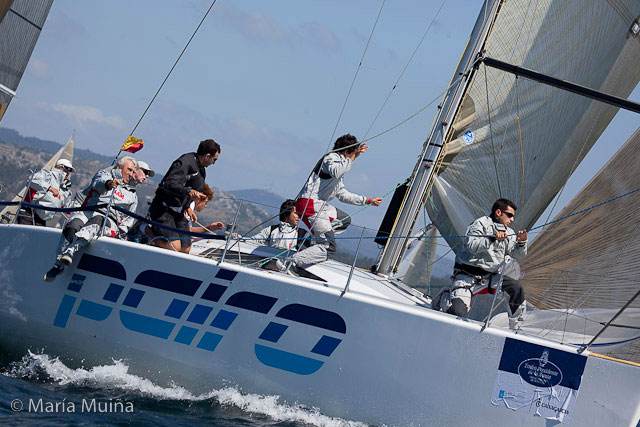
{"x": 540, "y": 372}
{"x": 467, "y": 137}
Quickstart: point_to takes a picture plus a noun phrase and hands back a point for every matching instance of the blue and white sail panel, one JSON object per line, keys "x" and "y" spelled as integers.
{"x": 538, "y": 380}
{"x": 21, "y": 22}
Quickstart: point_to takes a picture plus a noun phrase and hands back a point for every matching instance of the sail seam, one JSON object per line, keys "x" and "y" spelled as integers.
{"x": 26, "y": 19}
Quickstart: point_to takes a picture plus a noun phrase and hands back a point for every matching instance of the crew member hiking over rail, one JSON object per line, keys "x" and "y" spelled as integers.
{"x": 110, "y": 185}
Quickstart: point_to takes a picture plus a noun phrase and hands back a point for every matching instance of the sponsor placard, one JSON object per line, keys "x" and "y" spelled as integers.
{"x": 539, "y": 380}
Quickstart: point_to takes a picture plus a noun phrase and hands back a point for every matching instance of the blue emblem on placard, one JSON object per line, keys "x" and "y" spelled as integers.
{"x": 468, "y": 137}
{"x": 540, "y": 372}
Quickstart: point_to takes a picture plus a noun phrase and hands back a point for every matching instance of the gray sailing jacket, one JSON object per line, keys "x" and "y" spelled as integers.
{"x": 40, "y": 184}
{"x": 124, "y": 196}
{"x": 486, "y": 252}
{"x": 325, "y": 182}
{"x": 282, "y": 236}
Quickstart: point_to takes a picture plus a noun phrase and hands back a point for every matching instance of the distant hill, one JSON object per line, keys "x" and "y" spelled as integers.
{"x": 19, "y": 153}
{"x": 265, "y": 197}
{"x": 11, "y": 136}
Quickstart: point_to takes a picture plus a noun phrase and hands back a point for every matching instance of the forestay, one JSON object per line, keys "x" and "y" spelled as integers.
{"x": 520, "y": 139}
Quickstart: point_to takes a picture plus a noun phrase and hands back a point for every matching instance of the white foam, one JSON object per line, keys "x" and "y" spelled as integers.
{"x": 116, "y": 376}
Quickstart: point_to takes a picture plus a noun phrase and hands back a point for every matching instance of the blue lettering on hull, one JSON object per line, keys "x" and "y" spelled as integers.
{"x": 197, "y": 311}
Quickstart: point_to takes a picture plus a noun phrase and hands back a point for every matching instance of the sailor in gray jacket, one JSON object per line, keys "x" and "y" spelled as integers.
{"x": 110, "y": 185}
{"x": 285, "y": 235}
{"x": 488, "y": 243}
{"x": 325, "y": 184}
{"x": 50, "y": 188}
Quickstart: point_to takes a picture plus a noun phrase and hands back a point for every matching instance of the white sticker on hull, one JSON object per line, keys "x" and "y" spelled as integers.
{"x": 538, "y": 380}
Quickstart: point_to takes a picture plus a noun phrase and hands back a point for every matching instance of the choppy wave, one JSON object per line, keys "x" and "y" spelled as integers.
{"x": 42, "y": 367}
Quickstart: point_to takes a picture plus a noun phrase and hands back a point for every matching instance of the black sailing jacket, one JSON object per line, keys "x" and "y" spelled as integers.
{"x": 185, "y": 174}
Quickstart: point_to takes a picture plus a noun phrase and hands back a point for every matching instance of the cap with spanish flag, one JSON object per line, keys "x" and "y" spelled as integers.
{"x": 132, "y": 145}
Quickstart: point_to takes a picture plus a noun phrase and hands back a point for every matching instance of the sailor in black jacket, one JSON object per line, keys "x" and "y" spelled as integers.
{"x": 183, "y": 183}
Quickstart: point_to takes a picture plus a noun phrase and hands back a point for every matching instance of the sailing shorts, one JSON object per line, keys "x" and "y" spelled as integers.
{"x": 170, "y": 218}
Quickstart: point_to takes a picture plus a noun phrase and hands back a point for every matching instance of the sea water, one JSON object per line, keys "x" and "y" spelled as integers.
{"x": 41, "y": 390}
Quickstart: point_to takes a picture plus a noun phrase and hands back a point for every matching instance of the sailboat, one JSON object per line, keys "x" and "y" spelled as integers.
{"x": 359, "y": 344}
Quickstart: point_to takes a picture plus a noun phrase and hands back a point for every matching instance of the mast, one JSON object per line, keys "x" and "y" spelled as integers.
{"x": 422, "y": 177}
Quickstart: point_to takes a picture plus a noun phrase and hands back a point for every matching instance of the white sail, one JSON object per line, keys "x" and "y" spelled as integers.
{"x": 20, "y": 24}
{"x": 520, "y": 139}
{"x": 592, "y": 260}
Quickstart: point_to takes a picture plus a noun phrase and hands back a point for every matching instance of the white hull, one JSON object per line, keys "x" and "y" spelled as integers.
{"x": 386, "y": 359}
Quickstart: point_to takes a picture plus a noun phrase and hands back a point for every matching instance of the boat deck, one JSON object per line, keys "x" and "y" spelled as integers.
{"x": 331, "y": 274}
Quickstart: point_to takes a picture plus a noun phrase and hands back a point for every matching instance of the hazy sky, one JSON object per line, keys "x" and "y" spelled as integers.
{"x": 266, "y": 79}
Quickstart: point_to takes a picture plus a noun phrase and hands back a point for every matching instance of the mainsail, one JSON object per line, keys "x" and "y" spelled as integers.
{"x": 520, "y": 139}
{"x": 592, "y": 259}
{"x": 20, "y": 24}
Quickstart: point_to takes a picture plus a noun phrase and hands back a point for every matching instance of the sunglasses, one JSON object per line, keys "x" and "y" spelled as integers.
{"x": 509, "y": 214}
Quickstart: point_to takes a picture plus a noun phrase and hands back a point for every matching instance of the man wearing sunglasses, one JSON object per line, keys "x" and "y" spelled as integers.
{"x": 488, "y": 243}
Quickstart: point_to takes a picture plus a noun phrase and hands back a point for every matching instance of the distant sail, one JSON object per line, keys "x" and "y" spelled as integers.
{"x": 589, "y": 43}
{"x": 592, "y": 260}
{"x": 20, "y": 24}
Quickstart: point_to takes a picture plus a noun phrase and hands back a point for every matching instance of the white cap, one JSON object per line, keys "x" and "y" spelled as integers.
{"x": 145, "y": 166}
{"x": 66, "y": 163}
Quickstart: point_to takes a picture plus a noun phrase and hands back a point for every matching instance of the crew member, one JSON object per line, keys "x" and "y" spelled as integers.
{"x": 110, "y": 185}
{"x": 286, "y": 234}
{"x": 50, "y": 188}
{"x": 325, "y": 184}
{"x": 182, "y": 184}
{"x": 487, "y": 244}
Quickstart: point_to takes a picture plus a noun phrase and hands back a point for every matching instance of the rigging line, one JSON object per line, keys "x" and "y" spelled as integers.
{"x": 344, "y": 105}
{"x": 424, "y": 217}
{"x": 405, "y": 68}
{"x": 493, "y": 148}
{"x": 353, "y": 82}
{"x": 171, "y": 70}
{"x": 338, "y": 222}
{"x": 520, "y": 135}
{"x": 416, "y": 113}
{"x": 587, "y": 209}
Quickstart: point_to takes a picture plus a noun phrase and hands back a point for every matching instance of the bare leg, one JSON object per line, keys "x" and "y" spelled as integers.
{"x": 172, "y": 245}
